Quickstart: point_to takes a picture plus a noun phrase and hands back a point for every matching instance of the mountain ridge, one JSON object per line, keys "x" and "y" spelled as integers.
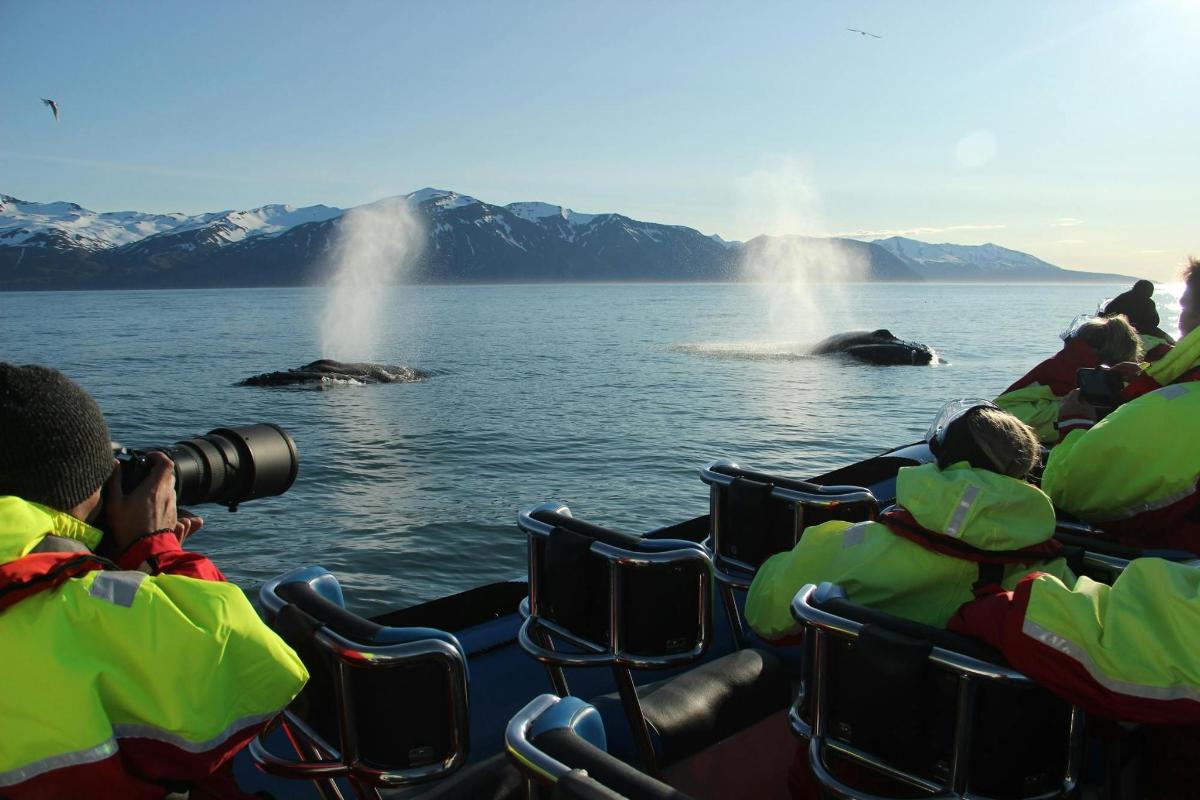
{"x": 62, "y": 245}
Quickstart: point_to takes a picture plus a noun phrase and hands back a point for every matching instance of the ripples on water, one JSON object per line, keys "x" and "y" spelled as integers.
{"x": 605, "y": 397}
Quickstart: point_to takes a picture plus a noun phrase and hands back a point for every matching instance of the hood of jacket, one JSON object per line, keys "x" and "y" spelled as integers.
{"x": 23, "y": 526}
{"x": 984, "y": 509}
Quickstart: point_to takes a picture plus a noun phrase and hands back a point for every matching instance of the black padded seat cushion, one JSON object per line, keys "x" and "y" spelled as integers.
{"x": 886, "y": 687}
{"x": 493, "y": 778}
{"x": 564, "y": 746}
{"x": 578, "y": 785}
{"x": 337, "y": 619}
{"x": 710, "y": 702}
{"x": 755, "y": 526}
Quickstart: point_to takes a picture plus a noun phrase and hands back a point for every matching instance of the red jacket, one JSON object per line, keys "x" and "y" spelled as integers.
{"x": 1058, "y": 371}
{"x": 128, "y": 773}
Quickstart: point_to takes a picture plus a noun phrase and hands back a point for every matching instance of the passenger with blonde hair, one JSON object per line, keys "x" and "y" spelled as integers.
{"x": 968, "y": 520}
{"x": 1133, "y": 474}
{"x": 1036, "y": 397}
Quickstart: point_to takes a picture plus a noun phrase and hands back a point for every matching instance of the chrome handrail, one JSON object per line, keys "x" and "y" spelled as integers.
{"x": 654, "y": 552}
{"x": 350, "y": 656}
{"x": 516, "y": 740}
{"x": 826, "y": 496}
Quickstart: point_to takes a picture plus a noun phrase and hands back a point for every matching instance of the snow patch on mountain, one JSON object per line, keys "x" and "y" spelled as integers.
{"x": 536, "y": 212}
{"x": 992, "y": 256}
{"x": 440, "y": 198}
{"x": 235, "y": 226}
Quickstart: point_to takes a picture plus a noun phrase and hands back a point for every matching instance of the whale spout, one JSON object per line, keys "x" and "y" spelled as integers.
{"x": 327, "y": 372}
{"x": 874, "y": 347}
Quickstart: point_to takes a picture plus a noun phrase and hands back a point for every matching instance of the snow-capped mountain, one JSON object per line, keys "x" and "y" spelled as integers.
{"x": 21, "y": 222}
{"x": 64, "y": 246}
{"x": 984, "y": 262}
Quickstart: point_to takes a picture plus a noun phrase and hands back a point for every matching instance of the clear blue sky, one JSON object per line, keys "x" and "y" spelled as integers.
{"x": 1067, "y": 129}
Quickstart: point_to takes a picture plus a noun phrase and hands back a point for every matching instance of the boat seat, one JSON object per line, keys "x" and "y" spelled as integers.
{"x": 924, "y": 708}
{"x": 383, "y": 706}
{"x": 602, "y": 598}
{"x": 707, "y": 703}
{"x": 754, "y": 515}
{"x": 1104, "y": 559}
{"x": 560, "y": 742}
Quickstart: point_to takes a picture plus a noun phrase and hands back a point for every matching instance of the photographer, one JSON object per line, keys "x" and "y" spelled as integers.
{"x": 131, "y": 677}
{"x": 1135, "y": 474}
{"x": 1035, "y": 398}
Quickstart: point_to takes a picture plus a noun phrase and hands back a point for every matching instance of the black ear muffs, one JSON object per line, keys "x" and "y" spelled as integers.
{"x": 958, "y": 445}
{"x": 937, "y": 448}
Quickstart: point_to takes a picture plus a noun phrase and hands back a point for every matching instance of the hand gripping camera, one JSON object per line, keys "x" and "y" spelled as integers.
{"x": 228, "y": 466}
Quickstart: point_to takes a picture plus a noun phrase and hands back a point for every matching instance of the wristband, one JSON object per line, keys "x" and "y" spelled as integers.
{"x": 129, "y": 546}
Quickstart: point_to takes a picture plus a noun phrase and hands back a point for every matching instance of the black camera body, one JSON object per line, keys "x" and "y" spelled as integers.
{"x": 227, "y": 466}
{"x": 1102, "y": 388}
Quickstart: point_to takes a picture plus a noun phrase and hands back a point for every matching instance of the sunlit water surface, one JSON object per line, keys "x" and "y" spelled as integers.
{"x": 607, "y": 397}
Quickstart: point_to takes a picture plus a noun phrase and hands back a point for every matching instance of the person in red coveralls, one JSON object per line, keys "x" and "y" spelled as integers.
{"x": 132, "y": 677}
{"x": 1136, "y": 473}
{"x": 1035, "y": 398}
{"x": 1125, "y": 652}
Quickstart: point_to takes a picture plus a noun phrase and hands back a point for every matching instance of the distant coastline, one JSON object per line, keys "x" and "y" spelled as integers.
{"x": 461, "y": 241}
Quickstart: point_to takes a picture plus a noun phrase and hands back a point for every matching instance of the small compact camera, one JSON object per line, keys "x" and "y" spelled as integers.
{"x": 1101, "y": 387}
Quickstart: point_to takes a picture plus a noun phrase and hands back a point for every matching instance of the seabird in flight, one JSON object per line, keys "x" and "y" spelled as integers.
{"x": 864, "y": 33}
{"x": 53, "y": 107}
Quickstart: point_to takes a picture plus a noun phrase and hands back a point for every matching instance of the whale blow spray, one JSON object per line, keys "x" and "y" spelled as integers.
{"x": 801, "y": 275}
{"x": 376, "y": 247}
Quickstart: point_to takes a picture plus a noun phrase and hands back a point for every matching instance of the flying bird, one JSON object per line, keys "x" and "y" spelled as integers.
{"x": 53, "y": 107}
{"x": 864, "y": 33}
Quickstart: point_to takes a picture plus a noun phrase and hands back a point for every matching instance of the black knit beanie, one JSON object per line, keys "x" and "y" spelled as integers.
{"x": 1137, "y": 304}
{"x": 54, "y": 446}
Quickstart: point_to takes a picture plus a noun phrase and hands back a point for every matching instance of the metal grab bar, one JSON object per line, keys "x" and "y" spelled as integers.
{"x": 824, "y": 496}
{"x": 518, "y": 746}
{"x": 328, "y": 761}
{"x": 620, "y": 561}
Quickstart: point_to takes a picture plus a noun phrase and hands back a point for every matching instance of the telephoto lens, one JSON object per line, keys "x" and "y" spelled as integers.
{"x": 227, "y": 466}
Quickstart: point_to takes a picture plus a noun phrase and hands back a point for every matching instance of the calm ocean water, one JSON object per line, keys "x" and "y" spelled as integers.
{"x": 607, "y": 397}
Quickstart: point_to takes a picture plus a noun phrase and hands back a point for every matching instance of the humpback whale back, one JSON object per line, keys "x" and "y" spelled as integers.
{"x": 326, "y": 371}
{"x": 875, "y": 347}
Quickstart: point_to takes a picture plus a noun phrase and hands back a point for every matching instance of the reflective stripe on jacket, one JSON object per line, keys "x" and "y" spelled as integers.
{"x": 1134, "y": 471}
{"x": 167, "y": 675}
{"x": 1127, "y": 651}
{"x": 878, "y": 568}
